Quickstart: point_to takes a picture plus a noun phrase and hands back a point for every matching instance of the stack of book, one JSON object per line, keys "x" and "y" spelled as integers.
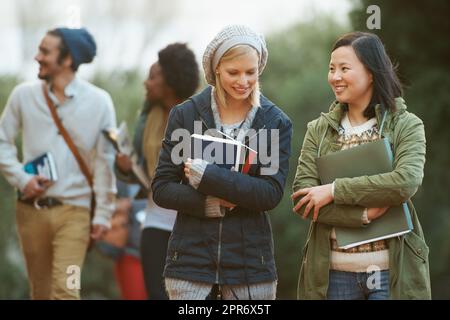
{"x": 226, "y": 153}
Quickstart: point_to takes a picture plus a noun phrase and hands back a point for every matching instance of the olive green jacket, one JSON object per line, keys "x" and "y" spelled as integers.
{"x": 408, "y": 254}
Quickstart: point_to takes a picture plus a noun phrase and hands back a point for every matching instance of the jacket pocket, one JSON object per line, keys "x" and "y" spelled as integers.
{"x": 414, "y": 271}
{"x": 417, "y": 246}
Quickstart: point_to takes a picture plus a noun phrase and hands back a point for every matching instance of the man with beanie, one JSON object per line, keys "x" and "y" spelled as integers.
{"x": 53, "y": 219}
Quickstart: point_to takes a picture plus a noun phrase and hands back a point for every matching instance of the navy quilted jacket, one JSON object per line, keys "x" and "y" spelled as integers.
{"x": 238, "y": 248}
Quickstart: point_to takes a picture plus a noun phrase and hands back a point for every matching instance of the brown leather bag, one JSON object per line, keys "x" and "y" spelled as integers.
{"x": 83, "y": 167}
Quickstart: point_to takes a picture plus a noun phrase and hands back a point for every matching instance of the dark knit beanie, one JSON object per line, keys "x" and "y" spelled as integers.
{"x": 81, "y": 45}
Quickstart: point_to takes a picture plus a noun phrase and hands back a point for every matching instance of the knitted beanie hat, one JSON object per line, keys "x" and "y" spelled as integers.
{"x": 81, "y": 45}
{"x": 228, "y": 38}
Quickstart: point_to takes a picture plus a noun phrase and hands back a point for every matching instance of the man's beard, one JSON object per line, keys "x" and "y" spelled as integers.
{"x": 45, "y": 77}
{"x": 50, "y": 72}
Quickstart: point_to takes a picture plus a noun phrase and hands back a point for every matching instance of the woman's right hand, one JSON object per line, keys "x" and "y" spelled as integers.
{"x": 227, "y": 204}
{"x": 123, "y": 162}
{"x": 375, "y": 213}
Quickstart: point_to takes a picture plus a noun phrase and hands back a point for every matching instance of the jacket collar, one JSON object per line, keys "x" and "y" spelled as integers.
{"x": 202, "y": 102}
{"x": 336, "y": 112}
{"x": 70, "y": 91}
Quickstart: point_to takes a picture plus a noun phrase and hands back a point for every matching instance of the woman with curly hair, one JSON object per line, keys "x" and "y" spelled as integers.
{"x": 172, "y": 79}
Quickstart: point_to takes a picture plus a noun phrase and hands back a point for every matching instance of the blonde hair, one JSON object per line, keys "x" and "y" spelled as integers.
{"x": 231, "y": 54}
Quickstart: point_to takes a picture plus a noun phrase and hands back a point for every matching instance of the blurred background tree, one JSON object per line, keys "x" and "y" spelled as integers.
{"x": 13, "y": 283}
{"x": 296, "y": 79}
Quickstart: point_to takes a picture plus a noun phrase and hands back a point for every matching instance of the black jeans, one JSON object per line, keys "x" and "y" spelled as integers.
{"x": 153, "y": 257}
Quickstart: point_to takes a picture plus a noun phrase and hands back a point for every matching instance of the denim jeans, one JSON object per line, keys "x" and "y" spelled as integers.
{"x": 358, "y": 285}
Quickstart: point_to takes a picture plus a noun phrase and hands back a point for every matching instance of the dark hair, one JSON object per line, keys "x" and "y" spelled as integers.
{"x": 63, "y": 48}
{"x": 180, "y": 69}
{"x": 371, "y": 52}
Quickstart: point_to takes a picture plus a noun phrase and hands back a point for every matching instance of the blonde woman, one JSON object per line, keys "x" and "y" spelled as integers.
{"x": 222, "y": 235}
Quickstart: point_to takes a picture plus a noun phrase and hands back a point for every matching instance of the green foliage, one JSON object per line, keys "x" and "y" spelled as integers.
{"x": 127, "y": 92}
{"x": 13, "y": 282}
{"x": 415, "y": 35}
{"x": 97, "y": 278}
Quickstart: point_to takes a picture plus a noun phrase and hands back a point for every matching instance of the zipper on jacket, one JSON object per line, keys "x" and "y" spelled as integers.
{"x": 219, "y": 246}
{"x": 204, "y": 122}
{"x": 219, "y": 249}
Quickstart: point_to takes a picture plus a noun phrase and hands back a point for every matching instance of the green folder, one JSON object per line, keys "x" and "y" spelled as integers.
{"x": 365, "y": 160}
